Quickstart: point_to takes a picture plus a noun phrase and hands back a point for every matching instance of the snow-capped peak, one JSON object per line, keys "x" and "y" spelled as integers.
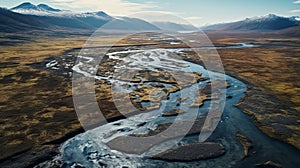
{"x": 30, "y": 6}
{"x": 271, "y": 17}
{"x": 295, "y": 18}
{"x": 100, "y": 15}
{"x": 47, "y": 8}
{"x": 30, "y": 9}
{"x": 263, "y": 18}
{"x": 25, "y": 5}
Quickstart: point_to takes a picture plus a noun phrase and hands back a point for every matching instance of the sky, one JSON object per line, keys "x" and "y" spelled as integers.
{"x": 197, "y": 12}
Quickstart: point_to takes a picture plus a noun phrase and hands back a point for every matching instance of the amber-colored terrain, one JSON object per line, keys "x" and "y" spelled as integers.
{"x": 36, "y": 104}
{"x": 272, "y": 73}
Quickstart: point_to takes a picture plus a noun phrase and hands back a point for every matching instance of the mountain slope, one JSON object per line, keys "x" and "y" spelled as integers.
{"x": 269, "y": 22}
{"x": 89, "y": 20}
{"x": 47, "y": 8}
{"x": 170, "y": 26}
{"x": 126, "y": 23}
{"x": 26, "y": 5}
{"x": 12, "y": 22}
{"x": 65, "y": 22}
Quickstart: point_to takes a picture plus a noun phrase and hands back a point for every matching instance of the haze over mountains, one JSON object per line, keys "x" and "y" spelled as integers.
{"x": 27, "y": 16}
{"x": 175, "y": 26}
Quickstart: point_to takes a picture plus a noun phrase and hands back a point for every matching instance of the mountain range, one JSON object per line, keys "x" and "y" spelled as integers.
{"x": 43, "y": 17}
{"x": 175, "y": 26}
{"x": 27, "y": 16}
{"x": 267, "y": 23}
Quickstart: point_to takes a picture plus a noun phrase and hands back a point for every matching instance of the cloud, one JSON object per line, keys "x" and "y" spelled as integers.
{"x": 113, "y": 7}
{"x": 194, "y": 18}
{"x": 149, "y": 10}
{"x": 159, "y": 16}
{"x": 295, "y": 11}
{"x": 297, "y": 2}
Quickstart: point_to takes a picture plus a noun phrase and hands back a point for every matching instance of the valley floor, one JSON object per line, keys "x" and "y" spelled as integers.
{"x": 36, "y": 106}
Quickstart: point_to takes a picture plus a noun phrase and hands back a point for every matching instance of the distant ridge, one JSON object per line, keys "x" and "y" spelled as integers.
{"x": 270, "y": 22}
{"x": 47, "y": 8}
{"x": 25, "y": 5}
{"x": 28, "y": 16}
{"x": 175, "y": 26}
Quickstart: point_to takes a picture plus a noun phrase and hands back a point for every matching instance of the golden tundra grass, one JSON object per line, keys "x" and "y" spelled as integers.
{"x": 36, "y": 105}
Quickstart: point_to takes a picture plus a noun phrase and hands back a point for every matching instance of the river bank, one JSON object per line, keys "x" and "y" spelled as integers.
{"x": 236, "y": 73}
{"x": 230, "y": 123}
